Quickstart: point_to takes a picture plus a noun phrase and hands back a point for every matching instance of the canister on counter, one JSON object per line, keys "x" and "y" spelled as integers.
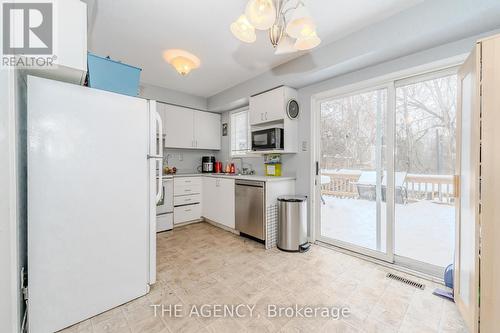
{"x": 272, "y": 165}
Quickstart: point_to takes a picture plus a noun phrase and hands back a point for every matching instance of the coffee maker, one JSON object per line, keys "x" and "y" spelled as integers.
{"x": 207, "y": 164}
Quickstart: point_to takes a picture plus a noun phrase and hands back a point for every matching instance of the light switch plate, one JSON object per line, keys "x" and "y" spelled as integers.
{"x": 304, "y": 145}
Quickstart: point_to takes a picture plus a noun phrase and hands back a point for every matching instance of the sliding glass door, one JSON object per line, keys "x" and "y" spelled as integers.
{"x": 425, "y": 167}
{"x": 352, "y": 165}
{"x": 385, "y": 176}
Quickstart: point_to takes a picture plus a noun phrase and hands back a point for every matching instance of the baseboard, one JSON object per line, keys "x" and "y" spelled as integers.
{"x": 221, "y": 226}
{"x": 187, "y": 223}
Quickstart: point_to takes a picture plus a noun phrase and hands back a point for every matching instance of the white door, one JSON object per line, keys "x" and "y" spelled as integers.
{"x": 466, "y": 282}
{"x": 209, "y": 195}
{"x": 88, "y": 202}
{"x": 178, "y": 127}
{"x": 207, "y": 130}
{"x": 225, "y": 196}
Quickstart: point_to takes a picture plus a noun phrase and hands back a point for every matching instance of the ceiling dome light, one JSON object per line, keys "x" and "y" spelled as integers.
{"x": 301, "y": 23}
{"x": 261, "y": 13}
{"x": 181, "y": 60}
{"x": 307, "y": 43}
{"x": 243, "y": 30}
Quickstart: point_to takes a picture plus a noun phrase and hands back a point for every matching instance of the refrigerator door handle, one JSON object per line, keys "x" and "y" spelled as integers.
{"x": 159, "y": 156}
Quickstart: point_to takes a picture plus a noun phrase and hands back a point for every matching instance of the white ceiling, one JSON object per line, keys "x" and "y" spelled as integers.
{"x": 137, "y": 33}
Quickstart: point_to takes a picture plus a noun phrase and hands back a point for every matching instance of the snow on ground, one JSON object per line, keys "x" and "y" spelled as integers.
{"x": 424, "y": 230}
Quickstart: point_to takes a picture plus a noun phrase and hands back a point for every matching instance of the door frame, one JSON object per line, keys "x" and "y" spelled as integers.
{"x": 389, "y": 81}
{"x": 470, "y": 313}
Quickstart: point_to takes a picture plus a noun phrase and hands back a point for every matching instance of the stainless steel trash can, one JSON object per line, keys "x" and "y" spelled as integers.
{"x": 292, "y": 223}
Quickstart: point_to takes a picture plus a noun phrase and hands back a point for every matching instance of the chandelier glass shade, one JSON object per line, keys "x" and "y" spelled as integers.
{"x": 307, "y": 42}
{"x": 301, "y": 23}
{"x": 243, "y": 30}
{"x": 290, "y": 25}
{"x": 261, "y": 13}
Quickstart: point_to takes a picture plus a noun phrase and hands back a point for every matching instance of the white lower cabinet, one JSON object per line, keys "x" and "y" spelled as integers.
{"x": 187, "y": 199}
{"x": 187, "y": 213}
{"x": 218, "y": 200}
{"x": 164, "y": 222}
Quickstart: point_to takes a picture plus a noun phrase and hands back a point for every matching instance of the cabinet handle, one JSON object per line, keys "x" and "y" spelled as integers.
{"x": 187, "y": 210}
{"x": 266, "y": 115}
{"x": 187, "y": 200}
{"x": 187, "y": 190}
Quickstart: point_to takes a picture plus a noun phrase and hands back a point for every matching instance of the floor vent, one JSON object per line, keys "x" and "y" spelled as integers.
{"x": 406, "y": 281}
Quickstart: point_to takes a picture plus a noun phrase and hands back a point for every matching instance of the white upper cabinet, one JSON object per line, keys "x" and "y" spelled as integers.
{"x": 71, "y": 49}
{"x": 178, "y": 126}
{"x": 207, "y": 130}
{"x": 190, "y": 129}
{"x": 271, "y": 105}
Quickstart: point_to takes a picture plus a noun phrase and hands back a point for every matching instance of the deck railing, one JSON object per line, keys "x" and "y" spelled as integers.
{"x": 430, "y": 187}
{"x": 342, "y": 184}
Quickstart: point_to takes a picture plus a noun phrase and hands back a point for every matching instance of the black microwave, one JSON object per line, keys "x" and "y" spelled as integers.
{"x": 268, "y": 139}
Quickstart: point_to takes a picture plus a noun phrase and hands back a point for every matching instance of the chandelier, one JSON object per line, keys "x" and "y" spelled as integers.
{"x": 289, "y": 24}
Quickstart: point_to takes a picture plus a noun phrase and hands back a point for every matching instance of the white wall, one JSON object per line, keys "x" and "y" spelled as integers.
{"x": 10, "y": 304}
{"x": 165, "y": 95}
{"x": 185, "y": 160}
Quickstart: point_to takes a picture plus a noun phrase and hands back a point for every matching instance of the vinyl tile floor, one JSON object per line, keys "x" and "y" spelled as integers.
{"x": 205, "y": 272}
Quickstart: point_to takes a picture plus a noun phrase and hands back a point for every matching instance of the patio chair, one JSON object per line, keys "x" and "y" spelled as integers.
{"x": 367, "y": 185}
{"x": 400, "y": 192}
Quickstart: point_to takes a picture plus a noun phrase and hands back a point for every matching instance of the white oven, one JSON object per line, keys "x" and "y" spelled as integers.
{"x": 165, "y": 207}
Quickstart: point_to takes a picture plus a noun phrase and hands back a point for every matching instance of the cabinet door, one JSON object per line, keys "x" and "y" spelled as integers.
{"x": 255, "y": 113}
{"x": 266, "y": 107}
{"x": 209, "y": 197}
{"x": 178, "y": 127}
{"x": 207, "y": 130}
{"x": 275, "y": 101}
{"x": 225, "y": 194}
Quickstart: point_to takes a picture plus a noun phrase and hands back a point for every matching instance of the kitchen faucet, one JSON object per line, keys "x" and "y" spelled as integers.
{"x": 243, "y": 170}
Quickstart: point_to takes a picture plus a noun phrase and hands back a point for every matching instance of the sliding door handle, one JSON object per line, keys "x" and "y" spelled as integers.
{"x": 456, "y": 186}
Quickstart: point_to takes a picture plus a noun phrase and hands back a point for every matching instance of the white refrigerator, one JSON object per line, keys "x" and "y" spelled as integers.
{"x": 92, "y": 194}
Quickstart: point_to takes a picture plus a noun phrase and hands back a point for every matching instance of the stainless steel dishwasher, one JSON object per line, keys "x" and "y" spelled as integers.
{"x": 250, "y": 203}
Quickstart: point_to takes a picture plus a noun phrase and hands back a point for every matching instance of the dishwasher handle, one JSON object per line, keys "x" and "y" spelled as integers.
{"x": 251, "y": 183}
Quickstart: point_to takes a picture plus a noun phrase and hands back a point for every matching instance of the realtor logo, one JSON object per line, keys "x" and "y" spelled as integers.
{"x": 27, "y": 28}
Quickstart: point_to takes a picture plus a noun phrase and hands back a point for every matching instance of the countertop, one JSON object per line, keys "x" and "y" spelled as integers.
{"x": 243, "y": 177}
